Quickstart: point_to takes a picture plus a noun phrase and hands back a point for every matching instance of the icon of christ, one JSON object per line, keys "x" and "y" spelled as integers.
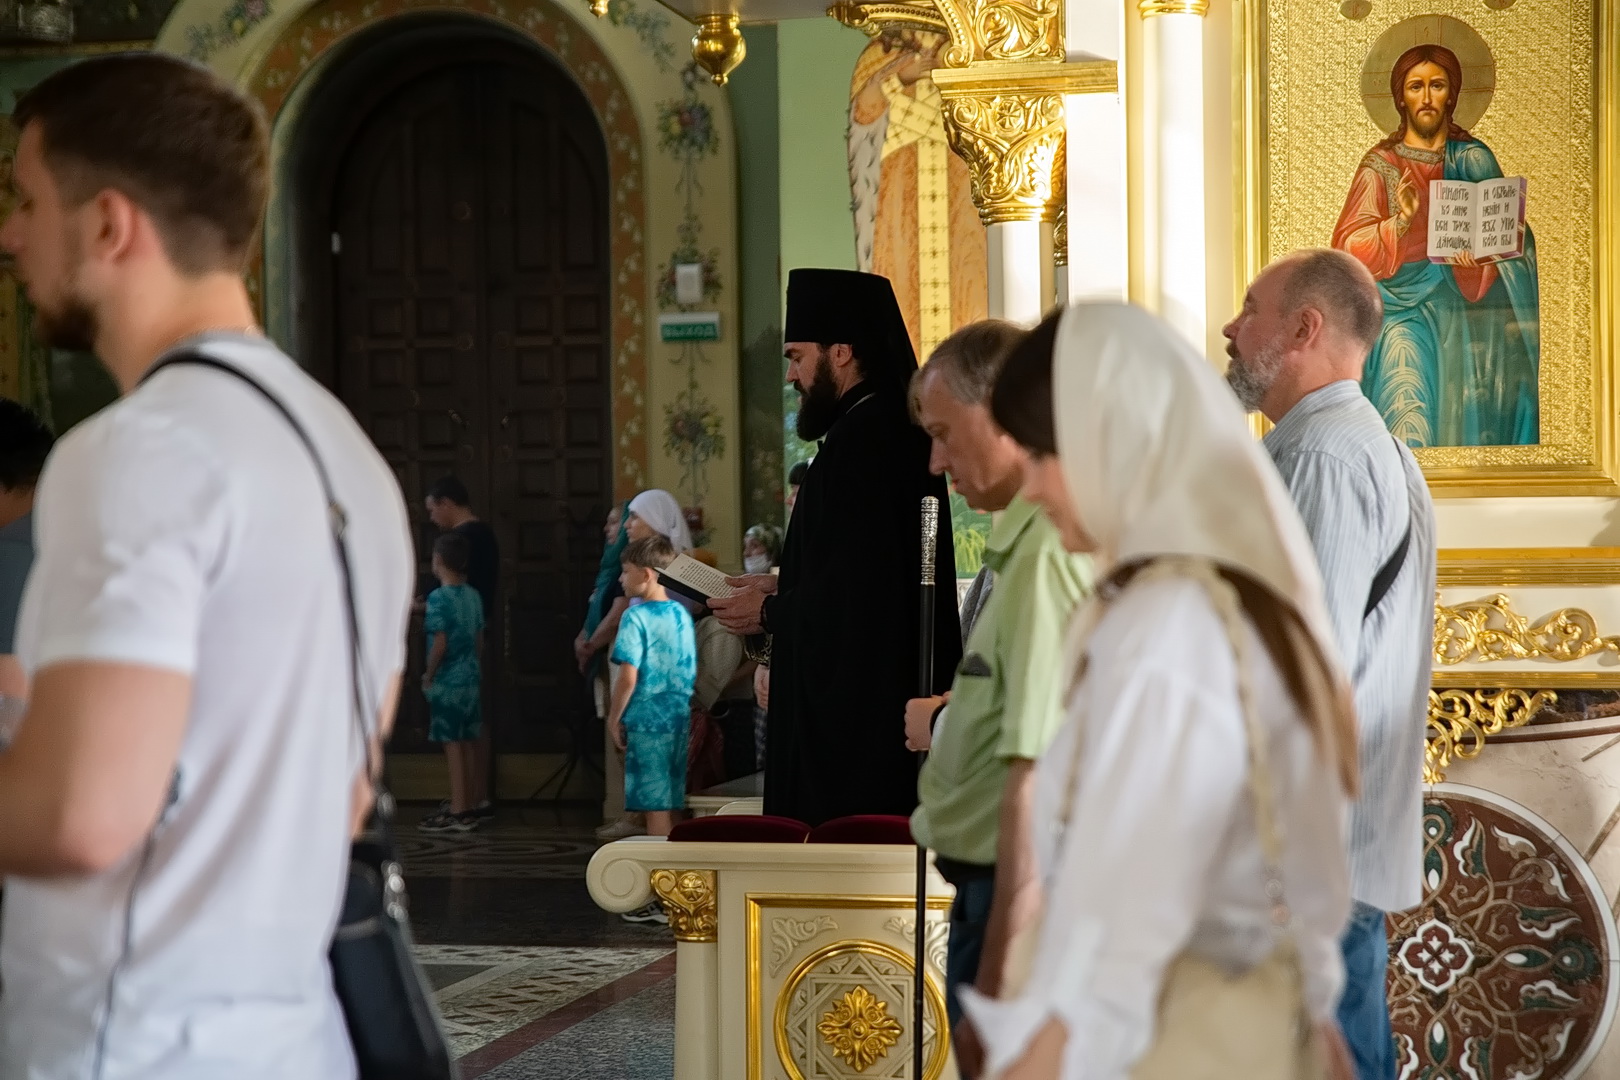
{"x": 1457, "y": 362}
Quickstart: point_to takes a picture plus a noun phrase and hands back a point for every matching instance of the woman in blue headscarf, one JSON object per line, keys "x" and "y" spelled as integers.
{"x": 616, "y": 533}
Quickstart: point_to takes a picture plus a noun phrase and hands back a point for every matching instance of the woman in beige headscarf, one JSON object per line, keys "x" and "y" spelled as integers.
{"x": 1179, "y": 934}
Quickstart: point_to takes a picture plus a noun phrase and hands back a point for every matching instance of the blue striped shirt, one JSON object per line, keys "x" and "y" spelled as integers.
{"x": 1357, "y": 489}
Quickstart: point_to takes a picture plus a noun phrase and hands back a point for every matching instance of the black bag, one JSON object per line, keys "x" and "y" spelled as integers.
{"x": 393, "y": 1023}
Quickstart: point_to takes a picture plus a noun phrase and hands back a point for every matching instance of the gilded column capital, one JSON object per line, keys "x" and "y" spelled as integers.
{"x": 1149, "y": 8}
{"x": 1013, "y": 146}
{"x": 688, "y": 897}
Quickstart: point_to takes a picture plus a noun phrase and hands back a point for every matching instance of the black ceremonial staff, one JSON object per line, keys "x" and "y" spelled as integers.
{"x": 925, "y": 687}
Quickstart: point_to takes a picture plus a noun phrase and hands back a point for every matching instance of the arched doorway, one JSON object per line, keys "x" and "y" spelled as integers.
{"x": 454, "y": 281}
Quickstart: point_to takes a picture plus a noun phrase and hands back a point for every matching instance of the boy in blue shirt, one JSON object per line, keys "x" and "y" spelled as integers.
{"x": 655, "y": 655}
{"x": 452, "y": 681}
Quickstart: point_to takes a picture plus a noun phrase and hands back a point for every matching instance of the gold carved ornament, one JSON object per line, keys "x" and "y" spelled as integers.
{"x": 688, "y": 897}
{"x": 1460, "y": 721}
{"x": 1490, "y": 630}
{"x": 859, "y": 1028}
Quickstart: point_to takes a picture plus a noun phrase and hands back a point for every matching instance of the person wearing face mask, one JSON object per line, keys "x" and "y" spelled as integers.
{"x": 762, "y": 546}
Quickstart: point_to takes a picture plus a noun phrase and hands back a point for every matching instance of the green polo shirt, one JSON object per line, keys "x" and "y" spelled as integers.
{"x": 1006, "y": 701}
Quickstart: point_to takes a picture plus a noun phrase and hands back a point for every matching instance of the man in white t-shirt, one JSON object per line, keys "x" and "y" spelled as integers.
{"x": 180, "y": 797}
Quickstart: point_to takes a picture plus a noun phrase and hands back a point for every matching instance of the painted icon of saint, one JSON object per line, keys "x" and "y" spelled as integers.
{"x": 915, "y": 222}
{"x": 1458, "y": 360}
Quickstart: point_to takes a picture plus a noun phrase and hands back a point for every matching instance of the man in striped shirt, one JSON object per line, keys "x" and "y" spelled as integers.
{"x": 1297, "y": 348}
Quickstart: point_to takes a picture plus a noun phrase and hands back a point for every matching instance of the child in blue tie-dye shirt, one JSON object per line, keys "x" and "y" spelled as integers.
{"x": 656, "y": 657}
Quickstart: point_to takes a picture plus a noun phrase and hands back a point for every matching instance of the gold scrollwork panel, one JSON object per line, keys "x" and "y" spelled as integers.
{"x": 1461, "y": 720}
{"x": 688, "y": 897}
{"x": 1490, "y": 631}
{"x": 1006, "y": 31}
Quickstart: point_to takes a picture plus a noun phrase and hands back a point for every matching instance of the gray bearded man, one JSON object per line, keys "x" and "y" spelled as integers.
{"x": 1297, "y": 350}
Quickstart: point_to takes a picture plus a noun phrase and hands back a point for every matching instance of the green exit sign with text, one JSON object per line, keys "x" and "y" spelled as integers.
{"x": 689, "y": 326}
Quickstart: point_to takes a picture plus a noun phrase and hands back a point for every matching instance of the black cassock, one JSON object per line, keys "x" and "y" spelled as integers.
{"x": 845, "y": 617}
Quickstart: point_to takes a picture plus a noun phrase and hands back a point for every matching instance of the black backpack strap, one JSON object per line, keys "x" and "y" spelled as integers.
{"x": 336, "y": 515}
{"x": 1384, "y": 580}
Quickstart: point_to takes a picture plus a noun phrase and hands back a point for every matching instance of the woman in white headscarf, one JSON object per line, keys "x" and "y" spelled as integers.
{"x": 657, "y": 512}
{"x": 1192, "y": 880}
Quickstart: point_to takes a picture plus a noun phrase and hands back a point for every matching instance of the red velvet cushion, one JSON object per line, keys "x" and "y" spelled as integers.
{"x": 863, "y": 829}
{"x": 742, "y": 829}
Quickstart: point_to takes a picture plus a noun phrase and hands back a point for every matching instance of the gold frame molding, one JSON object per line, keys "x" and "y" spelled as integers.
{"x": 756, "y": 903}
{"x": 1509, "y": 567}
{"x": 1598, "y": 471}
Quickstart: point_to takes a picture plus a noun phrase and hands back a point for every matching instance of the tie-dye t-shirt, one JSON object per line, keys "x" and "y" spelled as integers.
{"x": 657, "y": 640}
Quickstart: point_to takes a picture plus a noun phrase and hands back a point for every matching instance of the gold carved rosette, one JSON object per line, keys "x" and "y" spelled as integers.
{"x": 1002, "y": 81}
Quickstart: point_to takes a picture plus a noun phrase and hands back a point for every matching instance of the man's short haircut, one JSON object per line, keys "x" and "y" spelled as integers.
{"x": 969, "y": 361}
{"x": 1022, "y": 399}
{"x": 454, "y": 550}
{"x": 449, "y": 489}
{"x": 170, "y": 135}
{"x": 25, "y": 443}
{"x": 1336, "y": 284}
{"x": 653, "y": 553}
{"x": 797, "y": 473}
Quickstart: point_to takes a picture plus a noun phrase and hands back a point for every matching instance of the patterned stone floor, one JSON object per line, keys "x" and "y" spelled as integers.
{"x": 533, "y": 980}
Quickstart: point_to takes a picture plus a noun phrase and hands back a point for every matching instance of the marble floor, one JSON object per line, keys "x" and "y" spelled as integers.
{"x": 534, "y": 981}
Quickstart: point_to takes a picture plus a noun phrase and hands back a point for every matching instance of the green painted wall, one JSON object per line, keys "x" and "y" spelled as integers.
{"x": 755, "y": 111}
{"x": 817, "y": 58}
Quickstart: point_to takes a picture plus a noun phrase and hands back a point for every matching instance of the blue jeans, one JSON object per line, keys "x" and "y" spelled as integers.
{"x": 970, "y": 914}
{"x": 1364, "y": 1008}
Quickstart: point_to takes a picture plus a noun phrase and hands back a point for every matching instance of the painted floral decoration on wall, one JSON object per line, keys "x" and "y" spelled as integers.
{"x": 686, "y": 129}
{"x": 232, "y": 25}
{"x": 692, "y": 424}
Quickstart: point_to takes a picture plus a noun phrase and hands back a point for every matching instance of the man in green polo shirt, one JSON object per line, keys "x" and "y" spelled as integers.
{"x": 1005, "y": 704}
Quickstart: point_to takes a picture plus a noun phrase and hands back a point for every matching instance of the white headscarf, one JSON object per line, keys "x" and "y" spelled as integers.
{"x": 659, "y": 509}
{"x": 1159, "y": 460}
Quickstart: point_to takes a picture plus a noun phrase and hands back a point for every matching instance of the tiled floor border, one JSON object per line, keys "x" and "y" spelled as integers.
{"x": 535, "y": 1032}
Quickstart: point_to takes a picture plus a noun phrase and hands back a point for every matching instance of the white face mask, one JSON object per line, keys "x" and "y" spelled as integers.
{"x": 757, "y": 564}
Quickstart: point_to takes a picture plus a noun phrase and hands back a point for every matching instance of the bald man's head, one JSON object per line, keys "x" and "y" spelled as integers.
{"x": 1336, "y": 284}
{"x": 1309, "y": 319}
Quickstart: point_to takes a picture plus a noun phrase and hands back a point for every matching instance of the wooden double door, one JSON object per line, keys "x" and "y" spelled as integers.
{"x": 472, "y": 313}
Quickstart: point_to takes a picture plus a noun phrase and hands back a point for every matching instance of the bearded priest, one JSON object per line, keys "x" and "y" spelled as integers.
{"x": 843, "y": 614}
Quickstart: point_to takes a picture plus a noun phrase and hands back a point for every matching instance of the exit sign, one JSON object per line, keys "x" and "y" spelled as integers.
{"x": 689, "y": 326}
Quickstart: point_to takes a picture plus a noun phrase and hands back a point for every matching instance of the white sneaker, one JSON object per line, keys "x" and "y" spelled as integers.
{"x": 620, "y": 829}
{"x": 652, "y": 913}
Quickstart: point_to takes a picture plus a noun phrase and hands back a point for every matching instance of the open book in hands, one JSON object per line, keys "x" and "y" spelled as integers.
{"x": 695, "y": 580}
{"x": 1484, "y": 220}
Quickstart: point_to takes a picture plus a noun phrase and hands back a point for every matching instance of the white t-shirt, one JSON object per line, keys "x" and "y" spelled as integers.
{"x": 184, "y": 528}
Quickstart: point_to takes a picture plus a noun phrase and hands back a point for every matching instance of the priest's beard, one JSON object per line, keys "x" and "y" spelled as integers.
{"x": 1251, "y": 379}
{"x": 818, "y": 406}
